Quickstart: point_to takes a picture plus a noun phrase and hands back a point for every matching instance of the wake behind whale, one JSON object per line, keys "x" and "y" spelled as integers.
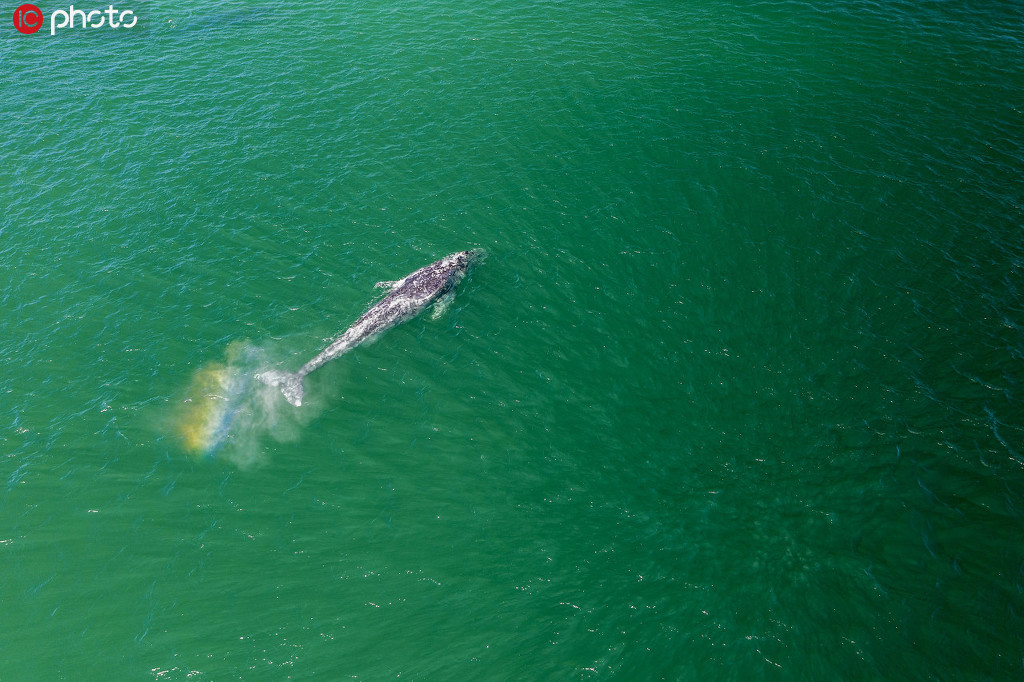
{"x": 221, "y": 414}
{"x": 408, "y": 297}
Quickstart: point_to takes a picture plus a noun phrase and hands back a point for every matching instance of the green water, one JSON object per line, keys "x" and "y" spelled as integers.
{"x": 736, "y": 395}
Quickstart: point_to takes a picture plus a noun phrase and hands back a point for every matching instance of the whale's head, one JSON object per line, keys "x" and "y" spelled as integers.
{"x": 467, "y": 259}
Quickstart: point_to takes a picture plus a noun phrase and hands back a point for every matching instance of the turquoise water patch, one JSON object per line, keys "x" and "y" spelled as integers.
{"x": 736, "y": 395}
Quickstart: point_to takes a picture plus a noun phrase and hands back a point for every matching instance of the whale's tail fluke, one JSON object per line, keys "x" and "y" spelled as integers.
{"x": 289, "y": 383}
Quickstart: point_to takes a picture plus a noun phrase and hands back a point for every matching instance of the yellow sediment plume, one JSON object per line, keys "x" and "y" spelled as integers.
{"x": 204, "y": 409}
{"x": 226, "y": 413}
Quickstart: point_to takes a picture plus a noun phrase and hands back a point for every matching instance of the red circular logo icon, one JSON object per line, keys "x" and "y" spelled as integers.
{"x": 28, "y": 19}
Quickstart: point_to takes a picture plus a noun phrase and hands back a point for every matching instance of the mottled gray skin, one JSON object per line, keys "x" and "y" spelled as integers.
{"x": 407, "y": 299}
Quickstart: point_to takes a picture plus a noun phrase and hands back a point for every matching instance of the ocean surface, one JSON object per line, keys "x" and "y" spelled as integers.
{"x": 737, "y": 394}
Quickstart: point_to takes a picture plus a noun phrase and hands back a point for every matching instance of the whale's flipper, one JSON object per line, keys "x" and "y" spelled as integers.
{"x": 442, "y": 304}
{"x": 290, "y": 384}
{"x": 387, "y": 285}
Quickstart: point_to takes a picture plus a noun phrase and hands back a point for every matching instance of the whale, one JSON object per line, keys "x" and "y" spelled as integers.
{"x": 406, "y": 298}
